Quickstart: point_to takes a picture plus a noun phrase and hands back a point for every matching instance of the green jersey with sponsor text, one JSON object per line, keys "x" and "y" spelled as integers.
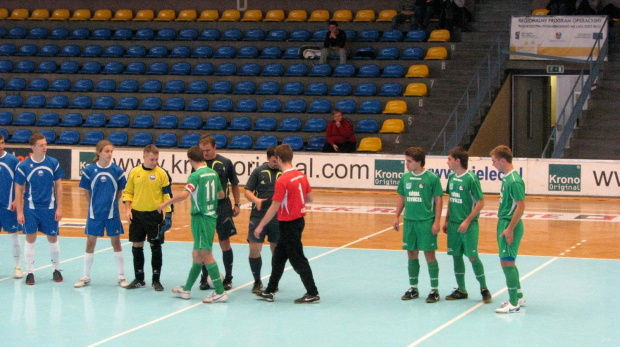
{"x": 513, "y": 190}
{"x": 203, "y": 185}
{"x": 464, "y": 191}
{"x": 419, "y": 192}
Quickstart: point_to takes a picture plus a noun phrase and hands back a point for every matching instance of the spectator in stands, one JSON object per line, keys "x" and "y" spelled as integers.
{"x": 561, "y": 7}
{"x": 454, "y": 14}
{"x": 586, "y": 7}
{"x": 339, "y": 135}
{"x": 422, "y": 15}
{"x": 406, "y": 12}
{"x": 335, "y": 40}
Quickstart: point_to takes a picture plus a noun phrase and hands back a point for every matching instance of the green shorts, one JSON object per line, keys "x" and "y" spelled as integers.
{"x": 463, "y": 243}
{"x": 203, "y": 230}
{"x": 507, "y": 252}
{"x": 418, "y": 235}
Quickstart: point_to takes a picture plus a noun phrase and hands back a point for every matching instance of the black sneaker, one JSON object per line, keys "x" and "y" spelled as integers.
{"x": 412, "y": 293}
{"x": 486, "y": 295}
{"x": 157, "y": 286}
{"x": 136, "y": 284}
{"x": 30, "y": 279}
{"x": 258, "y": 286}
{"x": 204, "y": 284}
{"x": 308, "y": 299}
{"x": 227, "y": 282}
{"x": 267, "y": 296}
{"x": 433, "y": 296}
{"x": 457, "y": 294}
{"x": 57, "y": 276}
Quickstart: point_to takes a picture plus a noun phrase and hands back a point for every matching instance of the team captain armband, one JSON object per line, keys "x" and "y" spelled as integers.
{"x": 190, "y": 187}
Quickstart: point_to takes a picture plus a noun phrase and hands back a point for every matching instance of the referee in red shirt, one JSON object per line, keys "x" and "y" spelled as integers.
{"x": 292, "y": 191}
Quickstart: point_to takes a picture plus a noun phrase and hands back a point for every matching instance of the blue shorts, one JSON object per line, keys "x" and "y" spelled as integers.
{"x": 8, "y": 221}
{"x": 41, "y": 219}
{"x": 113, "y": 227}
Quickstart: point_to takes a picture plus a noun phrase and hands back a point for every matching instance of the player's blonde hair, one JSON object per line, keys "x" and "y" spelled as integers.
{"x": 502, "y": 151}
{"x": 100, "y": 146}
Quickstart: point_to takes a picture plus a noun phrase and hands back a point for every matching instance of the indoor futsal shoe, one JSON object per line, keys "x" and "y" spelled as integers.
{"x": 257, "y": 287}
{"x": 412, "y": 293}
{"x": 57, "y": 276}
{"x": 215, "y": 298}
{"x": 308, "y": 299}
{"x": 227, "y": 283}
{"x": 30, "y": 279}
{"x": 486, "y": 295}
{"x": 157, "y": 286}
{"x": 508, "y": 308}
{"x": 182, "y": 293}
{"x": 433, "y": 296}
{"x": 136, "y": 284}
{"x": 83, "y": 282}
{"x": 18, "y": 273}
{"x": 267, "y": 296}
{"x": 204, "y": 283}
{"x": 457, "y": 294}
{"x": 122, "y": 282}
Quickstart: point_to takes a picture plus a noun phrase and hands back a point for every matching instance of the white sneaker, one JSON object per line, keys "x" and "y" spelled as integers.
{"x": 521, "y": 302}
{"x": 215, "y": 298}
{"x": 122, "y": 282}
{"x": 508, "y": 308}
{"x": 184, "y": 294}
{"x": 18, "y": 273}
{"x": 83, "y": 282}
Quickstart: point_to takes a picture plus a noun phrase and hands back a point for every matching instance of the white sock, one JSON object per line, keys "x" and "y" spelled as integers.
{"x": 17, "y": 248}
{"x": 29, "y": 253}
{"x": 120, "y": 263}
{"x": 55, "y": 254}
{"x": 88, "y": 263}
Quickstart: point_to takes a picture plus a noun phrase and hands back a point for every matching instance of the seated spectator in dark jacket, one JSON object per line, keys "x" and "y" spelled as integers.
{"x": 406, "y": 11}
{"x": 561, "y": 7}
{"x": 335, "y": 40}
{"x": 339, "y": 135}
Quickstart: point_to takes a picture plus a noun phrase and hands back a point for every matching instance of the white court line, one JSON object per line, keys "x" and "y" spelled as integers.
{"x": 237, "y": 288}
{"x": 477, "y": 306}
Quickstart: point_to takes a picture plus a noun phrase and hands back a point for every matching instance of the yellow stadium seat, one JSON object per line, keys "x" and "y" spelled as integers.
{"x": 386, "y": 15}
{"x": 370, "y": 144}
{"x": 252, "y": 16}
{"x": 123, "y": 15}
{"x": 319, "y": 16}
{"x": 230, "y": 16}
{"x": 40, "y": 14}
{"x": 439, "y": 35}
{"x": 365, "y": 16}
{"x": 19, "y": 14}
{"x": 209, "y": 16}
{"x": 436, "y": 53}
{"x": 343, "y": 16}
{"x": 101, "y": 15}
{"x": 274, "y": 16}
{"x": 417, "y": 71}
{"x": 540, "y": 12}
{"x": 187, "y": 16}
{"x": 144, "y": 16}
{"x": 416, "y": 89}
{"x": 297, "y": 16}
{"x": 83, "y": 14}
{"x": 394, "y": 126}
{"x": 395, "y": 107}
{"x": 60, "y": 14}
{"x": 165, "y": 16}
{"x": 4, "y": 13}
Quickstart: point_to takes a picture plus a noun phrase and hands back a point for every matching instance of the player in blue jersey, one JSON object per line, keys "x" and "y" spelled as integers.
{"x": 104, "y": 182}
{"x": 8, "y": 216}
{"x": 38, "y": 197}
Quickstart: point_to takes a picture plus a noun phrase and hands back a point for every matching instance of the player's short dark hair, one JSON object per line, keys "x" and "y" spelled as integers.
{"x": 461, "y": 154}
{"x": 502, "y": 151}
{"x": 35, "y": 137}
{"x": 284, "y": 152}
{"x": 271, "y": 151}
{"x": 333, "y": 22}
{"x": 195, "y": 154}
{"x": 417, "y": 154}
{"x": 150, "y": 149}
{"x": 207, "y": 139}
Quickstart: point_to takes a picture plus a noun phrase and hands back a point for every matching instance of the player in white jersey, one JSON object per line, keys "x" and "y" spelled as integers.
{"x": 8, "y": 216}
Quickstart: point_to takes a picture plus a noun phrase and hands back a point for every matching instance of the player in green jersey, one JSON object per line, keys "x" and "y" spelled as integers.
{"x": 204, "y": 187}
{"x": 420, "y": 194}
{"x": 461, "y": 225}
{"x": 509, "y": 226}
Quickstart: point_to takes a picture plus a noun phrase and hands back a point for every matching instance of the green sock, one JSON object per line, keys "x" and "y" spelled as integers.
{"x": 519, "y": 292}
{"x": 414, "y": 271}
{"x": 479, "y": 271}
{"x": 512, "y": 279}
{"x": 214, "y": 273}
{"x": 459, "y": 272}
{"x": 433, "y": 272}
{"x": 193, "y": 275}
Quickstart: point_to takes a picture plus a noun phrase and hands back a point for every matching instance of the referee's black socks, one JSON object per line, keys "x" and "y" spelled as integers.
{"x": 228, "y": 262}
{"x": 138, "y": 262}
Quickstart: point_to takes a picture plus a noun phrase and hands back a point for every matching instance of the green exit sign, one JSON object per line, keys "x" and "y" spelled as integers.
{"x": 555, "y": 68}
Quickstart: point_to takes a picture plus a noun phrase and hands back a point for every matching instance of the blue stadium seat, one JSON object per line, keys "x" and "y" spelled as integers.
{"x": 58, "y": 101}
{"x": 351, "y": 35}
{"x": 101, "y": 34}
{"x": 254, "y": 35}
{"x": 319, "y": 35}
{"x": 366, "y": 89}
{"x": 68, "y": 137}
{"x": 105, "y": 85}
{"x": 95, "y": 120}
{"x": 341, "y": 89}
{"x": 240, "y": 124}
{"x": 144, "y": 34}
{"x": 368, "y": 71}
{"x": 48, "y": 51}
{"x": 296, "y": 70}
{"x": 150, "y": 86}
{"x": 364, "y": 53}
{"x": 324, "y": 70}
{"x": 158, "y": 68}
{"x": 166, "y": 34}
{"x": 35, "y": 101}
{"x": 141, "y": 139}
{"x": 189, "y": 140}
{"x": 128, "y": 86}
{"x": 391, "y": 89}
{"x": 71, "y": 120}
{"x": 392, "y": 36}
{"x": 292, "y": 124}
{"x": 209, "y": 35}
{"x": 135, "y": 68}
{"x": 316, "y": 143}
{"x": 344, "y": 70}
{"x": 296, "y": 142}
{"x": 15, "y": 84}
{"x": 180, "y": 52}
{"x": 367, "y": 126}
{"x": 225, "y": 52}
{"x": 191, "y": 122}
{"x": 316, "y": 125}
{"x": 148, "y": 103}
{"x": 291, "y": 53}
{"x": 17, "y": 33}
{"x": 316, "y": 88}
{"x": 198, "y": 104}
{"x": 293, "y": 88}
{"x": 37, "y": 33}
{"x": 265, "y": 124}
{"x": 83, "y": 85}
{"x": 104, "y": 103}
{"x": 27, "y": 50}
{"x": 249, "y": 69}
{"x": 320, "y": 106}
{"x": 25, "y": 118}
{"x": 20, "y": 136}
{"x": 50, "y": 135}
{"x": 276, "y": 35}
{"x": 81, "y": 101}
{"x": 202, "y": 52}
{"x": 128, "y": 103}
{"x": 271, "y": 52}
{"x": 231, "y": 35}
{"x": 274, "y": 69}
{"x": 221, "y": 87}
{"x": 222, "y": 105}
{"x": 114, "y": 51}
{"x": 241, "y": 142}
{"x": 118, "y": 138}
{"x": 79, "y": 34}
{"x": 393, "y": 70}
{"x": 197, "y": 87}
{"x": 167, "y": 122}
{"x": 388, "y": 53}
{"x": 368, "y": 35}
{"x": 12, "y": 101}
{"x": 247, "y": 52}
{"x": 157, "y": 52}
{"x": 415, "y": 36}
{"x": 173, "y": 104}
{"x": 370, "y": 106}
{"x": 8, "y": 49}
{"x": 1, "y": 83}
{"x": 122, "y": 34}
{"x": 137, "y": 51}
{"x": 265, "y": 142}
{"x": 346, "y": 105}
{"x": 44, "y": 67}
{"x": 119, "y": 120}
{"x": 187, "y": 34}
{"x": 220, "y": 140}
{"x": 202, "y": 69}
{"x": 271, "y": 105}
{"x": 6, "y": 118}
{"x": 295, "y": 106}
{"x": 299, "y": 35}
{"x": 216, "y": 123}
{"x": 246, "y": 105}
{"x": 174, "y": 86}
{"x": 24, "y": 66}
{"x": 50, "y": 119}
{"x": 268, "y": 88}
{"x": 166, "y": 140}
{"x": 245, "y": 87}
{"x": 58, "y": 34}
{"x": 143, "y": 121}
{"x": 182, "y": 68}
{"x": 412, "y": 53}
{"x": 69, "y": 67}
{"x": 112, "y": 68}
{"x": 91, "y": 67}
{"x": 226, "y": 69}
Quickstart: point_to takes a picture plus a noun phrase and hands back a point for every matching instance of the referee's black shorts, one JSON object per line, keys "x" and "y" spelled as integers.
{"x": 225, "y": 226}
{"x": 145, "y": 225}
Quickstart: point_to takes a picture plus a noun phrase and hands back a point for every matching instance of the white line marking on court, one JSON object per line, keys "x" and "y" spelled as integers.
{"x": 477, "y": 306}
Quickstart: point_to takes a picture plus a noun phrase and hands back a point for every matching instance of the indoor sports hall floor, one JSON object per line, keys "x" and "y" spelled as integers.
{"x": 569, "y": 267}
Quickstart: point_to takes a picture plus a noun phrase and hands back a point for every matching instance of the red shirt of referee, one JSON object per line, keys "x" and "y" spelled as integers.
{"x": 292, "y": 192}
